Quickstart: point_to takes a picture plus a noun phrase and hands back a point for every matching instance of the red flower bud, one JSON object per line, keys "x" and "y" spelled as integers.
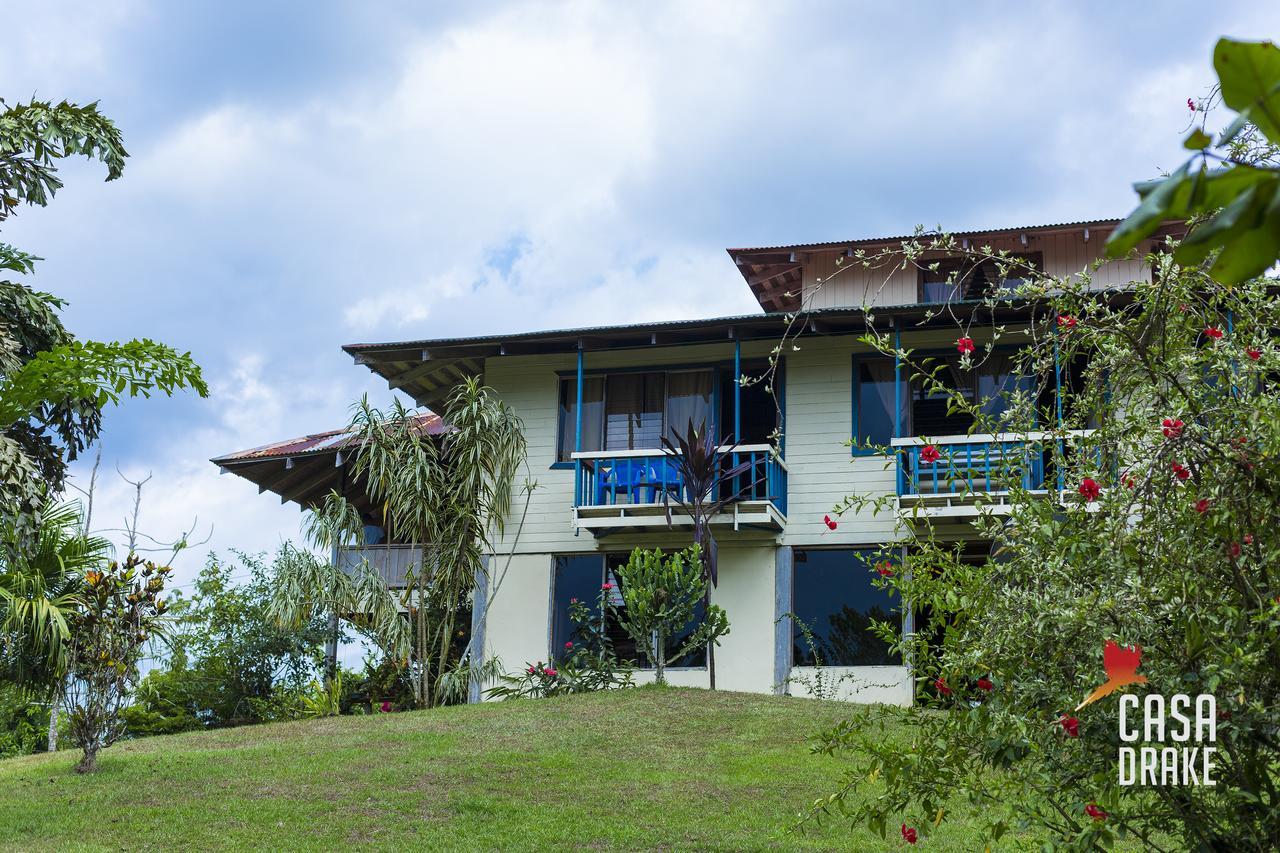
{"x": 1094, "y": 812}
{"x": 909, "y": 834}
{"x": 941, "y": 687}
{"x": 1234, "y": 549}
{"x": 568, "y": 645}
{"x": 1070, "y": 725}
{"x": 829, "y": 522}
{"x": 1253, "y": 353}
{"x": 1191, "y": 105}
{"x": 1213, "y": 332}
{"x": 1202, "y": 506}
{"x": 985, "y": 685}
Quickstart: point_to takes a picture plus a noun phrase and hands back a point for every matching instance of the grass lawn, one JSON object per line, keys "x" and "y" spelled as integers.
{"x": 636, "y": 769}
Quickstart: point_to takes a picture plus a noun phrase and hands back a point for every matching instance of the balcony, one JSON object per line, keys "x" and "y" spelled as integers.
{"x": 391, "y": 562}
{"x": 630, "y": 489}
{"x": 974, "y": 473}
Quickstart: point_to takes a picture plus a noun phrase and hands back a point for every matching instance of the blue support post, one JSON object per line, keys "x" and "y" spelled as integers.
{"x": 737, "y": 405}
{"x": 577, "y": 437}
{"x": 897, "y": 400}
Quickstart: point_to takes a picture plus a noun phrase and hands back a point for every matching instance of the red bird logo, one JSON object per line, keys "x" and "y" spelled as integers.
{"x": 1121, "y": 664}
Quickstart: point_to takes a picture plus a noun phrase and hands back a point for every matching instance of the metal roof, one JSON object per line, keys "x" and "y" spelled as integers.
{"x": 873, "y": 241}
{"x": 320, "y": 442}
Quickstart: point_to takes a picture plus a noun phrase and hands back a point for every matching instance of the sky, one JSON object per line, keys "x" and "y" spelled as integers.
{"x": 308, "y": 175}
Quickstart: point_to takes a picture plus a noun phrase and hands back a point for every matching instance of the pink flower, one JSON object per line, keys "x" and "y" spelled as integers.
{"x": 885, "y": 570}
{"x": 1182, "y": 472}
{"x": 985, "y": 685}
{"x": 1094, "y": 812}
{"x": 829, "y": 522}
{"x": 1066, "y": 322}
{"x": 606, "y": 587}
{"x": 1171, "y": 427}
{"x": 1191, "y": 105}
{"x": 568, "y": 645}
{"x": 1253, "y": 353}
{"x": 1089, "y": 489}
{"x": 1248, "y": 539}
{"x": 385, "y": 707}
{"x": 964, "y": 345}
{"x": 941, "y": 686}
{"x": 531, "y": 670}
{"x": 929, "y": 454}
{"x": 573, "y": 601}
{"x": 1202, "y": 506}
{"x": 909, "y": 834}
{"x": 1070, "y": 725}
{"x": 1213, "y": 332}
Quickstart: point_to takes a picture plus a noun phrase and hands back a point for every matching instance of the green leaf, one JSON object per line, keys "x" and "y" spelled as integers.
{"x": 1197, "y": 140}
{"x": 1254, "y": 251}
{"x": 1159, "y": 199}
{"x": 1249, "y": 75}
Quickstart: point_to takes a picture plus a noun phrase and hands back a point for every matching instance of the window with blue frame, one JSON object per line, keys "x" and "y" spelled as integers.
{"x": 834, "y": 595}
{"x": 874, "y": 394}
{"x": 632, "y": 410}
{"x": 957, "y": 279}
{"x": 580, "y": 577}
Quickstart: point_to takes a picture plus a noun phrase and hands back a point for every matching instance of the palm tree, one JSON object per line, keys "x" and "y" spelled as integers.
{"x": 40, "y": 581}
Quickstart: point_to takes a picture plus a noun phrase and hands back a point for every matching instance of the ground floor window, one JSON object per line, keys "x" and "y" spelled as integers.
{"x": 833, "y": 594}
{"x": 580, "y": 576}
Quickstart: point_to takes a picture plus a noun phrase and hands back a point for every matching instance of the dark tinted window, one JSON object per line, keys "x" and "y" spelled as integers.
{"x": 832, "y": 593}
{"x": 873, "y": 404}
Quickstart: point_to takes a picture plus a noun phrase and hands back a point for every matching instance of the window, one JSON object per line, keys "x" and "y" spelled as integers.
{"x": 956, "y": 279}
{"x": 580, "y": 577}
{"x": 632, "y": 411}
{"x": 873, "y": 398}
{"x": 993, "y": 383}
{"x": 832, "y": 594}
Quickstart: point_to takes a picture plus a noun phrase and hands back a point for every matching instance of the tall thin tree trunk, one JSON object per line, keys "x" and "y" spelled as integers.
{"x": 331, "y": 650}
{"x": 53, "y": 717}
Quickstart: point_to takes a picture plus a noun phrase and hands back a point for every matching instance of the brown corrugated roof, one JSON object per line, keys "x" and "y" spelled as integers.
{"x": 320, "y": 442}
{"x": 875, "y": 241}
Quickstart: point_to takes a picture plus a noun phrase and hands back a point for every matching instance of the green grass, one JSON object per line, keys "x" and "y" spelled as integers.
{"x": 636, "y": 769}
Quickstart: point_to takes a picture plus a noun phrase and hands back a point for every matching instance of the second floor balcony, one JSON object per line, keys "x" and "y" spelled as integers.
{"x": 393, "y": 563}
{"x": 635, "y": 489}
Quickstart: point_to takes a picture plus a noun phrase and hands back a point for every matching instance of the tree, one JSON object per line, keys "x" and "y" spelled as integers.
{"x": 660, "y": 598}
{"x": 54, "y": 387}
{"x": 449, "y": 495}
{"x": 1231, "y": 186}
{"x": 226, "y": 652}
{"x": 40, "y": 583}
{"x": 121, "y": 610}
{"x": 708, "y": 483}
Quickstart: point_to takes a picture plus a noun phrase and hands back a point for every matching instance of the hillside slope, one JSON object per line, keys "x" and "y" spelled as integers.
{"x": 632, "y": 769}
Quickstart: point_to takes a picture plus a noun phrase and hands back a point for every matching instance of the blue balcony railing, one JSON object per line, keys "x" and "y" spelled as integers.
{"x": 977, "y": 464}
{"x": 651, "y": 477}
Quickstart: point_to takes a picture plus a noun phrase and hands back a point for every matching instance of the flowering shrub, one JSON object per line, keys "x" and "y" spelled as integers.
{"x": 121, "y": 610}
{"x": 587, "y": 663}
{"x": 1181, "y": 561}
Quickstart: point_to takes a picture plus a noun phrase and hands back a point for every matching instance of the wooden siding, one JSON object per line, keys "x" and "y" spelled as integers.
{"x": 1065, "y": 254}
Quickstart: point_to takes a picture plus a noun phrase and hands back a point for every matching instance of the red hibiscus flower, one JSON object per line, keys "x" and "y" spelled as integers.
{"x": 829, "y": 522}
{"x": 1253, "y": 353}
{"x": 1182, "y": 472}
{"x": 909, "y": 834}
{"x": 985, "y": 685}
{"x": 1089, "y": 489}
{"x": 385, "y": 707}
{"x": 1213, "y": 332}
{"x": 964, "y": 345}
{"x": 885, "y": 570}
{"x": 531, "y": 670}
{"x": 941, "y": 687}
{"x": 1094, "y": 812}
{"x": 606, "y": 587}
{"x": 1202, "y": 506}
{"x": 1129, "y": 481}
{"x": 1248, "y": 539}
{"x": 1070, "y": 725}
{"x": 1066, "y": 322}
{"x": 1234, "y": 549}
{"x": 1171, "y": 427}
{"x": 1191, "y": 105}
{"x": 929, "y": 454}
{"x": 569, "y": 645}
